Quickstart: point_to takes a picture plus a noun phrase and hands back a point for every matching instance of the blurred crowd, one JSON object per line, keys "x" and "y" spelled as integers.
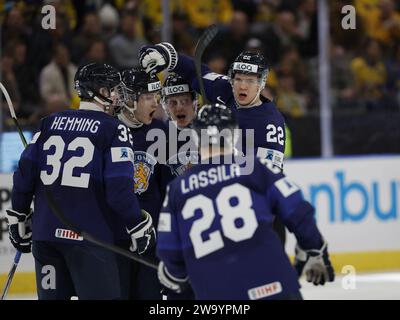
{"x": 38, "y": 65}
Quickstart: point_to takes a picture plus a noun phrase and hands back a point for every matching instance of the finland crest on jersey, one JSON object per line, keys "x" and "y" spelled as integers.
{"x": 144, "y": 168}
{"x": 182, "y": 161}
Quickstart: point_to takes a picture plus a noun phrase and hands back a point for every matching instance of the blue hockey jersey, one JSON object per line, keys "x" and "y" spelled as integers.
{"x": 85, "y": 157}
{"x": 264, "y": 121}
{"x": 150, "y": 143}
{"x": 216, "y": 228}
{"x": 182, "y": 150}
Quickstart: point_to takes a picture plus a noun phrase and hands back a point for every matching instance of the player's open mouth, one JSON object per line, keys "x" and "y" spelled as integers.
{"x": 242, "y": 95}
{"x": 152, "y": 114}
{"x": 181, "y": 117}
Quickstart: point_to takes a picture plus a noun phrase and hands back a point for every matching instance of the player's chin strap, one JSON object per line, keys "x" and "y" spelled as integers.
{"x": 103, "y": 100}
{"x": 130, "y": 120}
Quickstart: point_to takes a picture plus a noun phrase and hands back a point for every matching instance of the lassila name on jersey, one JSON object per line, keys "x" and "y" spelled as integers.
{"x": 208, "y": 177}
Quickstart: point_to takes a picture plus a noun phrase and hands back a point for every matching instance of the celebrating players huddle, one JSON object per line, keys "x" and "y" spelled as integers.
{"x": 118, "y": 173}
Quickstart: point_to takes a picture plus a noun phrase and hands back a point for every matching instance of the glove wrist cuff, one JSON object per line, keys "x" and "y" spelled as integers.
{"x": 172, "y": 54}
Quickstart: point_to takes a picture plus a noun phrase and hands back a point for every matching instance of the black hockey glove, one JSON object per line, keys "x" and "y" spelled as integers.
{"x": 315, "y": 264}
{"x": 143, "y": 235}
{"x": 157, "y": 58}
{"x": 177, "y": 285}
{"x": 20, "y": 230}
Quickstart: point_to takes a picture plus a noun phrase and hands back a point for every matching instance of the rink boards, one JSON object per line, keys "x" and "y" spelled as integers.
{"x": 357, "y": 211}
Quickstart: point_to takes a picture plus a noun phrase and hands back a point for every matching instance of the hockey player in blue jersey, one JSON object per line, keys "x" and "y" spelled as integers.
{"x": 241, "y": 91}
{"x": 136, "y": 110}
{"x": 215, "y": 228}
{"x": 180, "y": 102}
{"x": 85, "y": 157}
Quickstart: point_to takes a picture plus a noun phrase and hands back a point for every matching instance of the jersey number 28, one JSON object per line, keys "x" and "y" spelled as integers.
{"x": 238, "y": 219}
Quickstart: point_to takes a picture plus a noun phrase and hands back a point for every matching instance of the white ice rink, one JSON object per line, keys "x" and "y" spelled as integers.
{"x": 368, "y": 286}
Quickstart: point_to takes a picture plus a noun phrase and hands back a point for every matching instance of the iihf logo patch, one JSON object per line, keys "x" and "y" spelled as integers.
{"x": 144, "y": 168}
{"x": 264, "y": 291}
{"x": 67, "y": 234}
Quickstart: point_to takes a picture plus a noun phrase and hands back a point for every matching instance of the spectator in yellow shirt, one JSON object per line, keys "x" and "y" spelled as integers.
{"x": 382, "y": 21}
{"x": 369, "y": 74}
{"x": 203, "y": 13}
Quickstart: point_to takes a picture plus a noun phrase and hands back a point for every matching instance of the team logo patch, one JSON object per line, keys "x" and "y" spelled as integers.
{"x": 144, "y": 168}
{"x": 264, "y": 291}
{"x": 182, "y": 161}
{"x": 67, "y": 234}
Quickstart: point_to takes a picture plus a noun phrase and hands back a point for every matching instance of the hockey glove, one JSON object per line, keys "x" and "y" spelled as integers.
{"x": 20, "y": 230}
{"x": 315, "y": 264}
{"x": 177, "y": 285}
{"x": 143, "y": 236}
{"x": 157, "y": 58}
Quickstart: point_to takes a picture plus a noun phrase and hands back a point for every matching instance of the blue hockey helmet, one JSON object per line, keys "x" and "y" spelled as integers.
{"x": 212, "y": 120}
{"x": 174, "y": 84}
{"x": 137, "y": 81}
{"x": 250, "y": 63}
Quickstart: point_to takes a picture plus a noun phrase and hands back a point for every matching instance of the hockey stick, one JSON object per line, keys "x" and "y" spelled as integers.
{"x": 60, "y": 215}
{"x": 13, "y": 116}
{"x": 17, "y": 257}
{"x": 204, "y": 40}
{"x": 87, "y": 236}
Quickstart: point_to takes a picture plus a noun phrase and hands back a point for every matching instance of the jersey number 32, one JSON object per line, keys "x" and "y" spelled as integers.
{"x": 54, "y": 160}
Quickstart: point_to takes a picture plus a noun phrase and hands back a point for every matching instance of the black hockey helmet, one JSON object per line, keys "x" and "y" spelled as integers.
{"x": 90, "y": 78}
{"x": 174, "y": 84}
{"x": 137, "y": 81}
{"x": 214, "y": 118}
{"x": 249, "y": 63}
